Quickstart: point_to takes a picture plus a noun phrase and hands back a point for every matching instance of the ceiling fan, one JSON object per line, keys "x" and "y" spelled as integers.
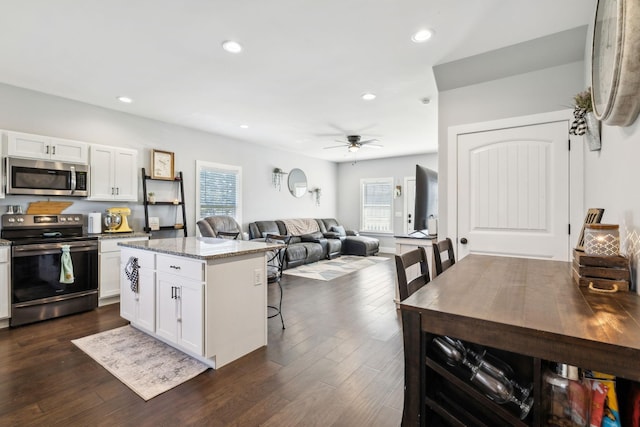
{"x": 354, "y": 143}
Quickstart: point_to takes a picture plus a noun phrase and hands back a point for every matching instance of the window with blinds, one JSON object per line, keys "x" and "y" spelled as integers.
{"x": 376, "y": 207}
{"x": 219, "y": 190}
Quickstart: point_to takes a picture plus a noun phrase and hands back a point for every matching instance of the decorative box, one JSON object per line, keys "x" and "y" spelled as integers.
{"x": 600, "y": 272}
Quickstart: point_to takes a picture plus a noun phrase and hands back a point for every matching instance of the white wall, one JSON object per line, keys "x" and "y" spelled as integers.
{"x": 38, "y": 113}
{"x": 551, "y": 89}
{"x": 611, "y": 178}
{"x": 349, "y": 176}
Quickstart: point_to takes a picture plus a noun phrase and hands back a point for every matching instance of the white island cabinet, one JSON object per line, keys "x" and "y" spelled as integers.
{"x": 209, "y": 295}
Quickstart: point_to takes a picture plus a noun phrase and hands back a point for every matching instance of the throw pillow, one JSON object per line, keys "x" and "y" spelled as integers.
{"x": 338, "y": 229}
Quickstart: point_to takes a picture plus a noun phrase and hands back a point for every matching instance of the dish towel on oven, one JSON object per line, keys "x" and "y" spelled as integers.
{"x": 66, "y": 266}
{"x": 131, "y": 270}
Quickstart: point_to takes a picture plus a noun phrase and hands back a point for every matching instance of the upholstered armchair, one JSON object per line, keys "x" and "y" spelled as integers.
{"x": 221, "y": 226}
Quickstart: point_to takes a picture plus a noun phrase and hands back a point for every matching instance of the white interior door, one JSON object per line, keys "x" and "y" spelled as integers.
{"x": 409, "y": 204}
{"x": 513, "y": 191}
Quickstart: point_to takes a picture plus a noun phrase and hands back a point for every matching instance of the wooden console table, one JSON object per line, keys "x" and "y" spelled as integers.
{"x": 529, "y": 308}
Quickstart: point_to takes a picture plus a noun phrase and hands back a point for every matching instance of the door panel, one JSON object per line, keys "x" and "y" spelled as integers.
{"x": 513, "y": 191}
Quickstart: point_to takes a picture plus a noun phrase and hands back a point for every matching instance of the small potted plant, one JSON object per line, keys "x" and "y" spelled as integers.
{"x": 152, "y": 197}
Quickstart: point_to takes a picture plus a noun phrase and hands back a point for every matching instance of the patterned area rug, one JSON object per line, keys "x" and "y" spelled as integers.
{"x": 146, "y": 365}
{"x": 334, "y": 268}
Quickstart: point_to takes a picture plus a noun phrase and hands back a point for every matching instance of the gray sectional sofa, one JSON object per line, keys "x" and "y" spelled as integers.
{"x": 329, "y": 240}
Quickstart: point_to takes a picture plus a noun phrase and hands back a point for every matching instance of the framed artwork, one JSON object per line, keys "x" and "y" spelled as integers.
{"x": 162, "y": 165}
{"x": 594, "y": 215}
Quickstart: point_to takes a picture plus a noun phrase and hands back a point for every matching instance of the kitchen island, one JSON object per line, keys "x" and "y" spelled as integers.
{"x": 530, "y": 313}
{"x": 204, "y": 296}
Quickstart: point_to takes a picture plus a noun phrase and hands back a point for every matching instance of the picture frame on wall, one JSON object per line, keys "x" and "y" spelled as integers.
{"x": 162, "y": 165}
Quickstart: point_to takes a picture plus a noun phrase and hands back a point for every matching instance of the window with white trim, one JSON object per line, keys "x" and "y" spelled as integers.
{"x": 376, "y": 205}
{"x": 219, "y": 190}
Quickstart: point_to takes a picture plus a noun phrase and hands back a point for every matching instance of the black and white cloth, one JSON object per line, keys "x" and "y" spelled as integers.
{"x": 131, "y": 270}
{"x": 579, "y": 125}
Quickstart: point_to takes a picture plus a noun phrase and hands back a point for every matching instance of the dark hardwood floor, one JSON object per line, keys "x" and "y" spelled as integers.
{"x": 338, "y": 363}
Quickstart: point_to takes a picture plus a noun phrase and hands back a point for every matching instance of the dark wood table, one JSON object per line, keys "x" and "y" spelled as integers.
{"x": 524, "y": 306}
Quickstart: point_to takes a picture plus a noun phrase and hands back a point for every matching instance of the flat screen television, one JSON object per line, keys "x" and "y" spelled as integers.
{"x": 426, "y": 201}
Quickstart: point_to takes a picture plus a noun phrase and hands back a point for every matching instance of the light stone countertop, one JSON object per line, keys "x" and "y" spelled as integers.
{"x": 104, "y": 236}
{"x": 4, "y": 242}
{"x": 204, "y": 248}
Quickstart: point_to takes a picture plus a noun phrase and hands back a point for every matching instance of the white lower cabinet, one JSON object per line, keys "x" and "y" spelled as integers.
{"x": 5, "y": 279}
{"x": 108, "y": 263}
{"x": 139, "y": 307}
{"x": 180, "y": 311}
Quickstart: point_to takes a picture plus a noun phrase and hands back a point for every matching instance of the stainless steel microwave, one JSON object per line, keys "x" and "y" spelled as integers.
{"x": 44, "y": 178}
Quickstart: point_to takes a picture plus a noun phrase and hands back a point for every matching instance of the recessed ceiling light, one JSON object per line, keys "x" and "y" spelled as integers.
{"x": 368, "y": 96}
{"x": 244, "y": 126}
{"x": 125, "y": 99}
{"x": 422, "y": 36}
{"x": 231, "y": 46}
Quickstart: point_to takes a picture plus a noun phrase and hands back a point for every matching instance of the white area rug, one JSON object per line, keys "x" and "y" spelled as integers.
{"x": 146, "y": 365}
{"x": 334, "y": 268}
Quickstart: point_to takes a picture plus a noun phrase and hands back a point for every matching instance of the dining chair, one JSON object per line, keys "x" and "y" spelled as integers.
{"x": 275, "y": 265}
{"x": 411, "y": 279}
{"x": 441, "y": 263}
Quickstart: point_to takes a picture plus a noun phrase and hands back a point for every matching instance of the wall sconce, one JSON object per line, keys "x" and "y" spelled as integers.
{"x": 316, "y": 193}
{"x": 398, "y": 191}
{"x": 276, "y": 178}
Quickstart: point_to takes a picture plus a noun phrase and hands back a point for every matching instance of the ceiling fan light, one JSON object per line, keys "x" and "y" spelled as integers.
{"x": 353, "y": 148}
{"x": 422, "y": 36}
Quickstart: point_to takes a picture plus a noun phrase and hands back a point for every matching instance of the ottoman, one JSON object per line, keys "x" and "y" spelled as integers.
{"x": 360, "y": 245}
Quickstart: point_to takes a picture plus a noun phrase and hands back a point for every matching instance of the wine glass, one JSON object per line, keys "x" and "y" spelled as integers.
{"x": 490, "y": 378}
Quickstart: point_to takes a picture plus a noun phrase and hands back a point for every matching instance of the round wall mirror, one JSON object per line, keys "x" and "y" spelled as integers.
{"x": 297, "y": 183}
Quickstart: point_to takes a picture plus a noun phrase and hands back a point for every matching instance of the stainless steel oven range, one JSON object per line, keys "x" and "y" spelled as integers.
{"x": 37, "y": 292}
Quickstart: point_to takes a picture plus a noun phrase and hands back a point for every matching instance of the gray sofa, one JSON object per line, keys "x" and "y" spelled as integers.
{"x": 352, "y": 242}
{"x": 323, "y": 244}
{"x": 298, "y": 253}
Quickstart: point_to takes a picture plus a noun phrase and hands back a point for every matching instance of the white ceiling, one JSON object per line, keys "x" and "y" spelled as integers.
{"x": 298, "y": 82}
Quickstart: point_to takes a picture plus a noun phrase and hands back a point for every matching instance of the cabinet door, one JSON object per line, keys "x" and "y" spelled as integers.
{"x": 27, "y": 145}
{"x": 146, "y": 315}
{"x": 109, "y": 283}
{"x": 125, "y": 176}
{"x": 64, "y": 150}
{"x": 191, "y": 320}
{"x": 101, "y": 179}
{"x": 167, "y": 307}
{"x": 5, "y": 278}
{"x": 128, "y": 298}
{"x": 179, "y": 312}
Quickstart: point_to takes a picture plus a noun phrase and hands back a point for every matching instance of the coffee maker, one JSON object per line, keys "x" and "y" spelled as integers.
{"x": 115, "y": 219}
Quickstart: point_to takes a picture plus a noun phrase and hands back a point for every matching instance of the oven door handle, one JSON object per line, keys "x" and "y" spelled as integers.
{"x": 52, "y": 248}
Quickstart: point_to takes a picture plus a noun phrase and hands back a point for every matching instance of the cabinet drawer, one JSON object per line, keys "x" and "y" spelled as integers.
{"x": 179, "y": 266}
{"x": 111, "y": 245}
{"x": 146, "y": 259}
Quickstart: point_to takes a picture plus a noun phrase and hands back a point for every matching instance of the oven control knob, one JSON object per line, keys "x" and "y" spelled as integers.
{"x": 20, "y": 219}
{"x": 76, "y": 219}
{"x": 11, "y": 220}
{"x": 63, "y": 219}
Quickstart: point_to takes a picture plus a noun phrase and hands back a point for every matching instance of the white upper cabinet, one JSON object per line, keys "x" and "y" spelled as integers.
{"x": 113, "y": 173}
{"x": 46, "y": 148}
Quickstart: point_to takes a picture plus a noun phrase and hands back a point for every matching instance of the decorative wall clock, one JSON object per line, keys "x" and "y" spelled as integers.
{"x": 615, "y": 62}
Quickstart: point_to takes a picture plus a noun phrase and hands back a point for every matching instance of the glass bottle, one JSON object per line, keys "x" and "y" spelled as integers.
{"x": 566, "y": 398}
